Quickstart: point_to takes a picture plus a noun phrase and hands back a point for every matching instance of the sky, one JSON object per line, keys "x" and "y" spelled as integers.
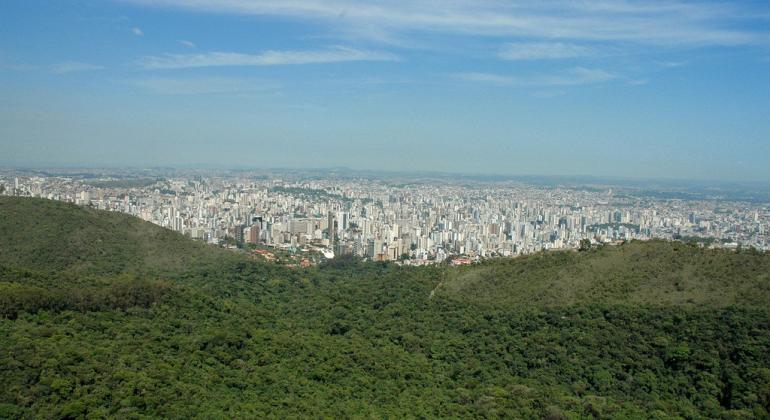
{"x": 653, "y": 89}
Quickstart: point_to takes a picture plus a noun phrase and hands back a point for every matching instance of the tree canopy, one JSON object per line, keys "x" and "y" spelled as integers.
{"x": 103, "y": 315}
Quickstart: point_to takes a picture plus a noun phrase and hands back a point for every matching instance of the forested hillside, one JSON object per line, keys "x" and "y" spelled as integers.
{"x": 48, "y": 235}
{"x": 103, "y": 315}
{"x": 638, "y": 273}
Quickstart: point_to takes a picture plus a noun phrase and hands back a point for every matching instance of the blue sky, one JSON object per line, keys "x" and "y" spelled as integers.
{"x": 606, "y": 88}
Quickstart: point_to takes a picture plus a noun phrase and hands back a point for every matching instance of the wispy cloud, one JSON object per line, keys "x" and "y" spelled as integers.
{"x": 73, "y": 67}
{"x": 570, "y": 77}
{"x": 202, "y": 86}
{"x": 542, "y": 51}
{"x": 187, "y": 43}
{"x": 58, "y": 68}
{"x": 651, "y": 22}
{"x": 267, "y": 58}
{"x": 579, "y": 76}
{"x": 136, "y": 31}
{"x": 549, "y": 93}
{"x": 671, "y": 64}
{"x": 491, "y": 78}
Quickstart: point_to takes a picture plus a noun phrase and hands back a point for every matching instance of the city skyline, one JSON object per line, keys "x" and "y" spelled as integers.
{"x": 416, "y": 221}
{"x": 643, "y": 90}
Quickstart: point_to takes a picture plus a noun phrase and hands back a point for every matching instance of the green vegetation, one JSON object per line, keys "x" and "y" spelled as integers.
{"x": 104, "y": 315}
{"x": 655, "y": 273}
{"x": 49, "y": 236}
{"x": 16, "y": 298}
{"x": 699, "y": 240}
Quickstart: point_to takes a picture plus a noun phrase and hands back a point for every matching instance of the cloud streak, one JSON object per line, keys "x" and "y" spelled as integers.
{"x": 542, "y": 51}
{"x": 201, "y": 86}
{"x": 650, "y": 22}
{"x": 74, "y": 67}
{"x": 267, "y": 58}
{"x": 570, "y": 77}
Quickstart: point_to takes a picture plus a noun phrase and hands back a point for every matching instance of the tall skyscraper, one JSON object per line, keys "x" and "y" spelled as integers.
{"x": 238, "y": 233}
{"x": 254, "y": 232}
{"x": 343, "y": 220}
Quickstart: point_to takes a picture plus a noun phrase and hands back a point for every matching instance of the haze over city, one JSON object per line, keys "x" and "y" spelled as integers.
{"x": 631, "y": 89}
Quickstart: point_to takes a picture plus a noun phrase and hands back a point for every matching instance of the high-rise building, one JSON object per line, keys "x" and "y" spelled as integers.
{"x": 343, "y": 220}
{"x": 375, "y": 248}
{"x": 254, "y": 232}
{"x": 238, "y": 233}
{"x": 394, "y": 251}
{"x": 297, "y": 226}
{"x": 178, "y": 224}
{"x": 330, "y": 225}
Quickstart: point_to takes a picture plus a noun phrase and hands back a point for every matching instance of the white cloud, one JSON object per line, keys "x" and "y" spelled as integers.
{"x": 542, "y": 51}
{"x": 202, "y": 86}
{"x": 187, "y": 43}
{"x": 74, "y": 66}
{"x": 658, "y": 22}
{"x": 570, "y": 77}
{"x": 671, "y": 64}
{"x": 492, "y": 78}
{"x": 136, "y": 31}
{"x": 549, "y": 93}
{"x": 267, "y": 58}
{"x": 579, "y": 76}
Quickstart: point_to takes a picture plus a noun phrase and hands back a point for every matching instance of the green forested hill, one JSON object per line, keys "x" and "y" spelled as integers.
{"x": 654, "y": 273}
{"x": 124, "y": 319}
{"x": 50, "y": 235}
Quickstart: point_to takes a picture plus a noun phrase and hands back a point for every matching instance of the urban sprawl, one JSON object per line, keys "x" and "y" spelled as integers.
{"x": 412, "y": 221}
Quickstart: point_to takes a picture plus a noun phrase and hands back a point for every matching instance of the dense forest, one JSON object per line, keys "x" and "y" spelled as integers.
{"x": 104, "y": 315}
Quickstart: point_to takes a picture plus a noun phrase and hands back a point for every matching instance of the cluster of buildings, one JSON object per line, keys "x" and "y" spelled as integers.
{"x": 414, "y": 221}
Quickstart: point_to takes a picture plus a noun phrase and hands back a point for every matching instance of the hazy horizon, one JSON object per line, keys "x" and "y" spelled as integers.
{"x": 653, "y": 183}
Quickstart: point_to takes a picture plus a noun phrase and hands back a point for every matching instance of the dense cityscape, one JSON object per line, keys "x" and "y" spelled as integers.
{"x": 415, "y": 221}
